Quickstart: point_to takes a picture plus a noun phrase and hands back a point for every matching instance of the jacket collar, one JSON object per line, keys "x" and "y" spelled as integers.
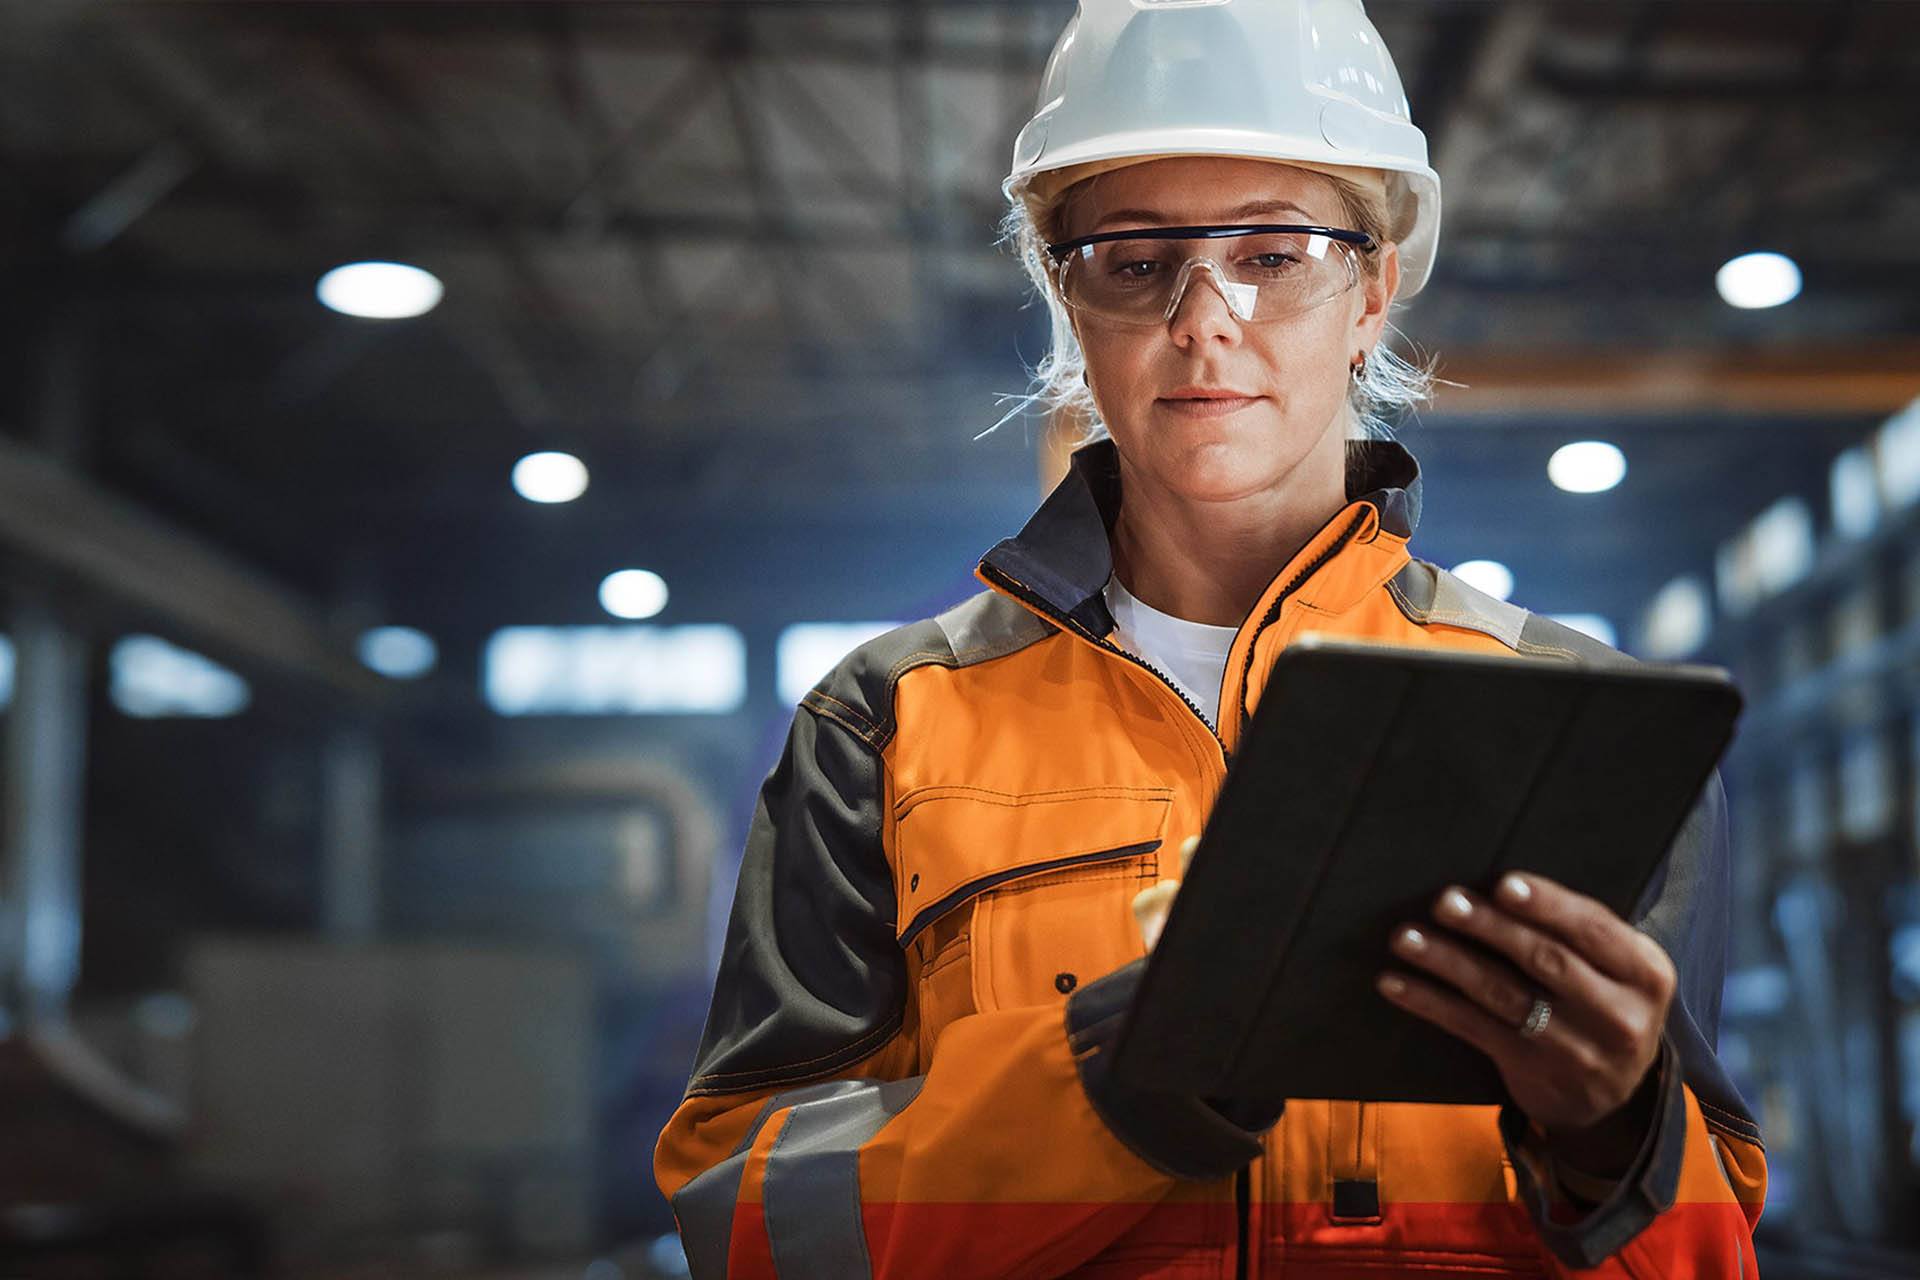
{"x": 1063, "y": 557}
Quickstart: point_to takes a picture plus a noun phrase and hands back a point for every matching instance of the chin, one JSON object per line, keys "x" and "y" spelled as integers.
{"x": 1222, "y": 470}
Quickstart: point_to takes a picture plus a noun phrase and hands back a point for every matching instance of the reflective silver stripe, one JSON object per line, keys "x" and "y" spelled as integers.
{"x": 1460, "y": 604}
{"x": 703, "y": 1208}
{"x": 1427, "y": 593}
{"x": 988, "y": 626}
{"x": 811, "y": 1193}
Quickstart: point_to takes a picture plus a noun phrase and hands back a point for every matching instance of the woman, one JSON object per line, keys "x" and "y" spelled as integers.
{"x": 932, "y": 945}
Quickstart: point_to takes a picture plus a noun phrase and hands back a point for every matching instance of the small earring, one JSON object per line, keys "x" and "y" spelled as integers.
{"x": 1359, "y": 367}
{"x": 1086, "y": 379}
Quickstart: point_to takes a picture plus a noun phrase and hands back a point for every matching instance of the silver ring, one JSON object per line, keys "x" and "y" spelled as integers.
{"x": 1536, "y": 1019}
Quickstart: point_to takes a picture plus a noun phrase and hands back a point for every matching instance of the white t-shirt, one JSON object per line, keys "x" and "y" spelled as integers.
{"x": 1191, "y": 654}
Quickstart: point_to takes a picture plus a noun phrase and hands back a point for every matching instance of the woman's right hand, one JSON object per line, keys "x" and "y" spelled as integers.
{"x": 1151, "y": 905}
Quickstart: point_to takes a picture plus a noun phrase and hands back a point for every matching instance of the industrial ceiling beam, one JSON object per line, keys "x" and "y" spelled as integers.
{"x": 60, "y": 519}
{"x": 1439, "y": 83}
{"x": 773, "y": 215}
{"x": 1477, "y": 99}
{"x": 1866, "y": 377}
{"x": 1763, "y": 384}
{"x": 1830, "y": 230}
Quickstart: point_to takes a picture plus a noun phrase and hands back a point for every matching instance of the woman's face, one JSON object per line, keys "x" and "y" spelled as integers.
{"x": 1291, "y": 375}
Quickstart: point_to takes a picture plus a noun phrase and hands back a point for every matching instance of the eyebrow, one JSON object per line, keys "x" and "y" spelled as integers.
{"x": 1259, "y": 208}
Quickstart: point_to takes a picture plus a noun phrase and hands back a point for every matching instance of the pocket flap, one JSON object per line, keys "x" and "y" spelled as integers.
{"x": 955, "y": 842}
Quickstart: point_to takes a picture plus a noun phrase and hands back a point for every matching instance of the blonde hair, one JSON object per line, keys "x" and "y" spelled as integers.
{"x": 1391, "y": 388}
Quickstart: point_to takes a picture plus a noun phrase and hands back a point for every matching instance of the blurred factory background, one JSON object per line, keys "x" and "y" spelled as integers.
{"x": 385, "y": 693}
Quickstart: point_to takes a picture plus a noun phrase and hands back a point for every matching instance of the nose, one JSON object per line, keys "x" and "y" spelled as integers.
{"x": 1200, "y": 314}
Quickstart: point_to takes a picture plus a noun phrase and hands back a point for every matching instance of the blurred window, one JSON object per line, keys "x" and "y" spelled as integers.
{"x": 1897, "y": 452}
{"x": 400, "y": 653}
{"x": 615, "y": 670}
{"x": 1854, "y": 493}
{"x": 1592, "y": 624}
{"x": 1677, "y": 620}
{"x": 1767, "y": 557}
{"x": 806, "y": 651}
{"x": 151, "y": 678}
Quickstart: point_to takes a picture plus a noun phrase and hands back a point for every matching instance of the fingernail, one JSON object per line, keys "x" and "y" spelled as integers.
{"x": 1412, "y": 939}
{"x": 1456, "y": 903}
{"x": 1515, "y": 888}
{"x": 1390, "y": 984}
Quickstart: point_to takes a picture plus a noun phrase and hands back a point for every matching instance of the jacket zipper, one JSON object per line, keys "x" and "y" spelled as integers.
{"x": 1021, "y": 592}
{"x": 1242, "y": 1185}
{"x": 1273, "y": 611}
{"x": 1243, "y": 1205}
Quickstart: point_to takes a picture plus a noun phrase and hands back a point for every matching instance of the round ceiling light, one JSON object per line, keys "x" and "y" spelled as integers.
{"x": 380, "y": 290}
{"x": 549, "y": 477}
{"x": 1755, "y": 280}
{"x": 633, "y": 593}
{"x": 1587, "y": 466}
{"x": 1490, "y": 576}
{"x": 402, "y": 653}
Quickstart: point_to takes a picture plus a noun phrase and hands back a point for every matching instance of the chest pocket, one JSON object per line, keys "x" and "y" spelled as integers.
{"x": 1047, "y": 878}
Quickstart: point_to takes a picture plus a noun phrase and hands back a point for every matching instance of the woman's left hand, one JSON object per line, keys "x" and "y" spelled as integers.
{"x": 1608, "y": 985}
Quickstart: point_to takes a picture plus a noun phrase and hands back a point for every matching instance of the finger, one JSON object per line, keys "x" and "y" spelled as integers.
{"x": 1187, "y": 847}
{"x": 1492, "y": 984}
{"x": 1459, "y": 1016}
{"x": 1539, "y": 955}
{"x": 1150, "y": 908}
{"x": 1155, "y": 899}
{"x": 1587, "y": 925}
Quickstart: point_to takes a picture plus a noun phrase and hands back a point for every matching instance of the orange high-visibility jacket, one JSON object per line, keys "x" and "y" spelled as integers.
{"x": 932, "y": 945}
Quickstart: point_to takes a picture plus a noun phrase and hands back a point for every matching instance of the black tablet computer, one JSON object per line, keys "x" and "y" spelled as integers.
{"x": 1369, "y": 779}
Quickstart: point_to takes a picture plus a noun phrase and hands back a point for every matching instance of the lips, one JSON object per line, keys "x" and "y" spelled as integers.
{"x": 1207, "y": 393}
{"x": 1207, "y": 402}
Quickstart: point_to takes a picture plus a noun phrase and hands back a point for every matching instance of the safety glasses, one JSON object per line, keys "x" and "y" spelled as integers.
{"x": 1265, "y": 272}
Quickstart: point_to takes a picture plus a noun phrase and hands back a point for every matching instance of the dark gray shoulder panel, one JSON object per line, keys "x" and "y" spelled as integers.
{"x": 1412, "y": 589}
{"x": 858, "y": 693}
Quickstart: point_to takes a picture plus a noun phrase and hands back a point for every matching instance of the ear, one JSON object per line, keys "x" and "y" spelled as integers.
{"x": 1379, "y": 297}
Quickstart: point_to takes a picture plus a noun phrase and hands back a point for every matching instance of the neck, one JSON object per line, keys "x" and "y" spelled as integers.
{"x": 1209, "y": 561}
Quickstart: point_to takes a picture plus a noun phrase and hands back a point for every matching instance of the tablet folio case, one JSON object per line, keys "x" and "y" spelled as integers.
{"x": 1369, "y": 779}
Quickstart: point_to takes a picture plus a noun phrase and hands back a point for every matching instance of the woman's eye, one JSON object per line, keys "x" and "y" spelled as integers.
{"x": 1272, "y": 261}
{"x": 1136, "y": 269}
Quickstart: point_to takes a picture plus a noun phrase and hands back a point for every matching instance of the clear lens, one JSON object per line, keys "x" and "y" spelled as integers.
{"x": 1266, "y": 276}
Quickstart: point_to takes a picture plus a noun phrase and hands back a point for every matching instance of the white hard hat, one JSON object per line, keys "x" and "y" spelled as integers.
{"x": 1306, "y": 81}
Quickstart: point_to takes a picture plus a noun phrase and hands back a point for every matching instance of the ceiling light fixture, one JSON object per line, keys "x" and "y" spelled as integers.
{"x": 1490, "y": 576}
{"x": 1755, "y": 280}
{"x": 380, "y": 290}
{"x": 550, "y": 477}
{"x": 1587, "y": 466}
{"x": 633, "y": 593}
